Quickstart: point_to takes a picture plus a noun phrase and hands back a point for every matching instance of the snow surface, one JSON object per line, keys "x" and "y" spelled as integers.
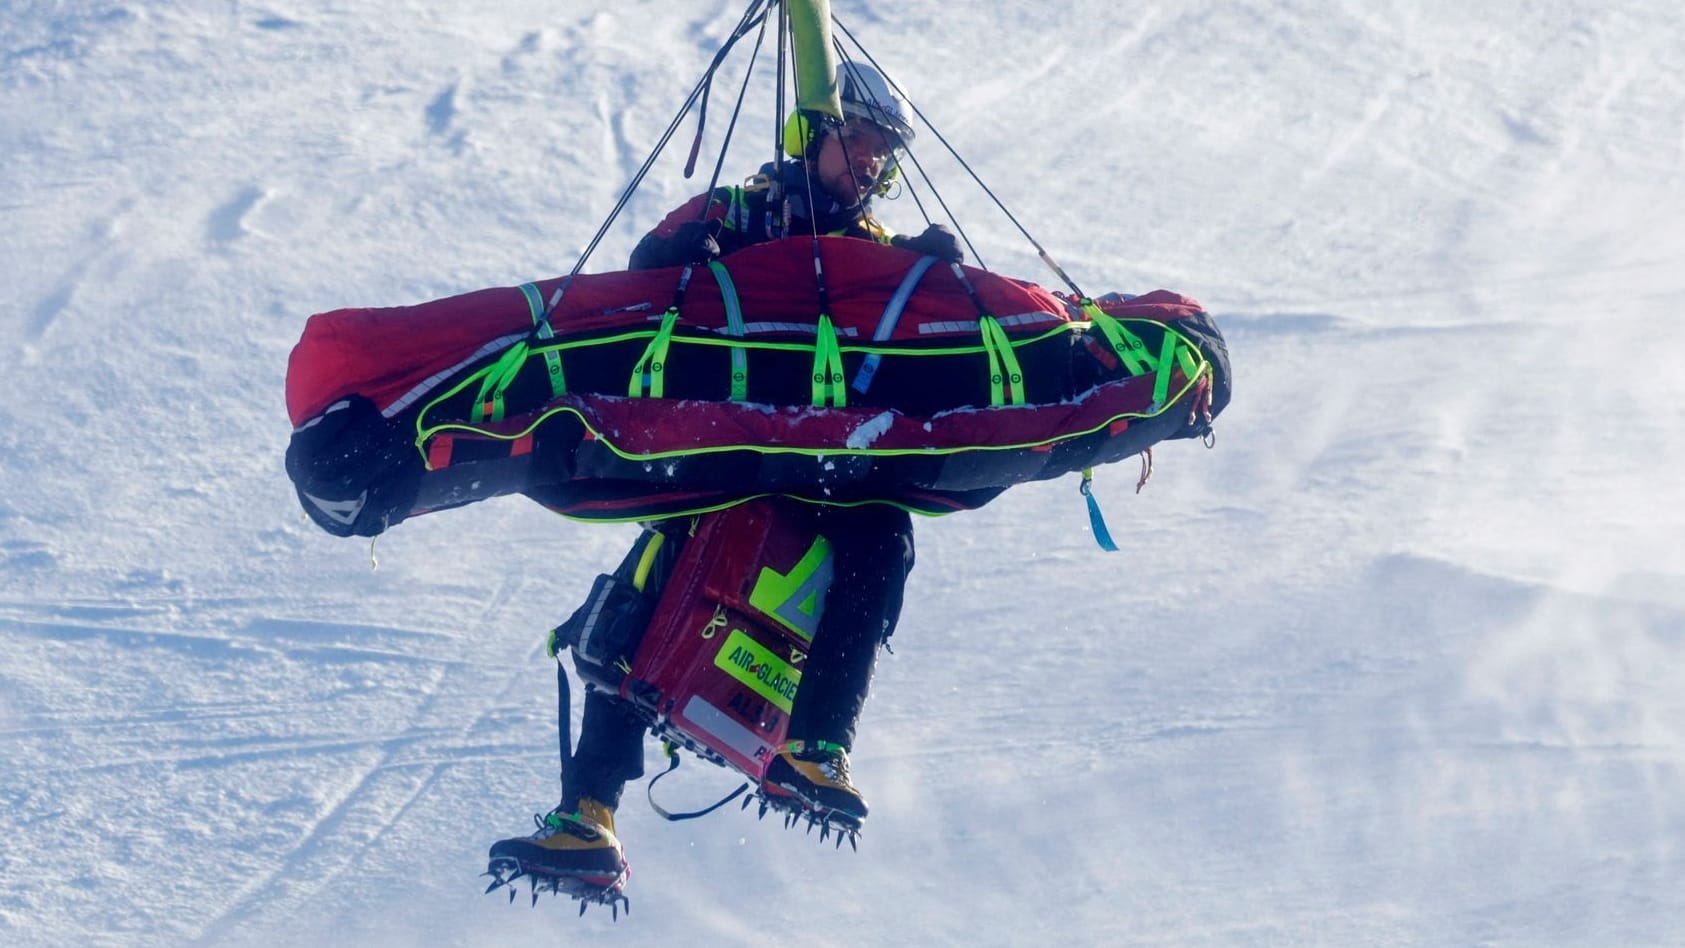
{"x": 1401, "y": 661}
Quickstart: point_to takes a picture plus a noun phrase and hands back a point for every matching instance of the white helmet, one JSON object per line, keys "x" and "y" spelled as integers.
{"x": 865, "y": 93}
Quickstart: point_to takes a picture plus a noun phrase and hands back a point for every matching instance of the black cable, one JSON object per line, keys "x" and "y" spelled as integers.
{"x": 848, "y": 63}
{"x": 749, "y": 19}
{"x": 937, "y": 194}
{"x": 719, "y": 59}
{"x": 736, "y": 112}
{"x": 775, "y": 189}
{"x": 1042, "y": 251}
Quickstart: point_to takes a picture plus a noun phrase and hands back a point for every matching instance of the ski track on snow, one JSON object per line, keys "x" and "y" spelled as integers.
{"x": 390, "y": 786}
{"x": 1397, "y": 663}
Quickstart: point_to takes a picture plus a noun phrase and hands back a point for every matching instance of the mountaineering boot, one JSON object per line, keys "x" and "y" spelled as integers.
{"x": 575, "y": 853}
{"x": 815, "y": 774}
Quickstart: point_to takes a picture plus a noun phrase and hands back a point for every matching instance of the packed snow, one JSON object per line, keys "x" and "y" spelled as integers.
{"x": 1400, "y": 661}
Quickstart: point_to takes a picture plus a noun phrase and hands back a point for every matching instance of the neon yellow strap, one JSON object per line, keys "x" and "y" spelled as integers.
{"x": 1166, "y": 362}
{"x": 1191, "y": 367}
{"x": 1126, "y": 344}
{"x": 797, "y": 747}
{"x": 648, "y": 376}
{"x": 828, "y": 383}
{"x": 734, "y": 324}
{"x": 496, "y": 380}
{"x": 552, "y": 358}
{"x": 1003, "y": 363}
{"x": 640, "y": 578}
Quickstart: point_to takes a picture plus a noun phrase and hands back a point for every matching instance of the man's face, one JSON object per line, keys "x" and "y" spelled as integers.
{"x": 852, "y": 160}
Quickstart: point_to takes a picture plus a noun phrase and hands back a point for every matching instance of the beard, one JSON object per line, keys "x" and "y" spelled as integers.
{"x": 848, "y": 190}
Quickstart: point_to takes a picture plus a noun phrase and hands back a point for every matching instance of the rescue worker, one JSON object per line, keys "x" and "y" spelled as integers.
{"x": 825, "y": 186}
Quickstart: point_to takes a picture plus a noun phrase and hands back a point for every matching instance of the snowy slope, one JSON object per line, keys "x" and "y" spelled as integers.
{"x": 1402, "y": 660}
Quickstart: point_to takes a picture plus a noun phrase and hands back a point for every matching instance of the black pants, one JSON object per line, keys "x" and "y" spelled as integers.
{"x": 873, "y": 551}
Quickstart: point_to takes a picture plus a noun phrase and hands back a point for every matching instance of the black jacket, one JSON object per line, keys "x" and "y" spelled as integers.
{"x": 737, "y": 217}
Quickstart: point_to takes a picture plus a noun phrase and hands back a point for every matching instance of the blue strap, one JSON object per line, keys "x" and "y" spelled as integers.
{"x": 734, "y": 324}
{"x": 541, "y": 323}
{"x": 891, "y": 316}
{"x": 1096, "y": 521}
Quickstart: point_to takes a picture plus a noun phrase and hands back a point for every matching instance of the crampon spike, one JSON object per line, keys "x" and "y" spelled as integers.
{"x": 505, "y": 873}
{"x": 831, "y": 823}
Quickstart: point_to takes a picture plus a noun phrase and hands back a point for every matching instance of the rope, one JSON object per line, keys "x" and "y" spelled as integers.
{"x": 673, "y": 764}
{"x": 731, "y": 126}
{"x": 750, "y": 17}
{"x": 1040, "y": 250}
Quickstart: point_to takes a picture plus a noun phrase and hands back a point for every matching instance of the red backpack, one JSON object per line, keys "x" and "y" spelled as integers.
{"x": 716, "y": 666}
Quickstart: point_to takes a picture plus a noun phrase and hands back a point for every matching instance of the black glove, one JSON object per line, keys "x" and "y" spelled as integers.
{"x": 692, "y": 243}
{"x": 936, "y": 241}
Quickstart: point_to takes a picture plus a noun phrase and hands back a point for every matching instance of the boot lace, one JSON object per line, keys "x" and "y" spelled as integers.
{"x": 835, "y": 768}
{"x": 556, "y": 821}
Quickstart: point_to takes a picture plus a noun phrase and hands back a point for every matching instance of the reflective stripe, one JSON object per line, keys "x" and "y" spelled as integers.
{"x": 796, "y": 327}
{"x": 427, "y": 384}
{"x": 967, "y": 325}
{"x": 736, "y": 216}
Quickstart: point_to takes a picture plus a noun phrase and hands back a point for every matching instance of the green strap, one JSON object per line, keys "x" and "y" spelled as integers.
{"x": 1003, "y": 363}
{"x": 496, "y": 380}
{"x": 1133, "y": 351}
{"x": 1126, "y": 344}
{"x": 552, "y": 358}
{"x": 648, "y": 376}
{"x": 797, "y": 747}
{"x": 1191, "y": 367}
{"x": 734, "y": 324}
{"x": 829, "y": 387}
{"x": 1166, "y": 362}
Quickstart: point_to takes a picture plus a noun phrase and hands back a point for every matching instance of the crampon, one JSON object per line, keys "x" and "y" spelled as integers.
{"x": 795, "y": 811}
{"x": 589, "y": 890}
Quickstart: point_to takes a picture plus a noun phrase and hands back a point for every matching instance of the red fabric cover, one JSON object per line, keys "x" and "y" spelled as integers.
{"x": 384, "y": 353}
{"x": 652, "y": 428}
{"x": 1160, "y": 306}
